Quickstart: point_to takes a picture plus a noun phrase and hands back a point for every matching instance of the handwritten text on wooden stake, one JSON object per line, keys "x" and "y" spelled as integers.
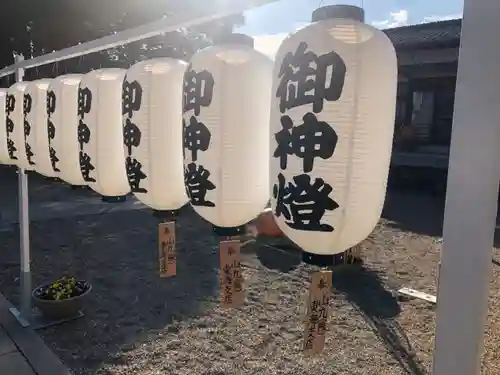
{"x": 167, "y": 253}
{"x": 320, "y": 293}
{"x": 231, "y": 277}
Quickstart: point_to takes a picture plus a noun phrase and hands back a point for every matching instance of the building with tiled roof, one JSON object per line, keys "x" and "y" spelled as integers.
{"x": 428, "y": 59}
{"x": 442, "y": 34}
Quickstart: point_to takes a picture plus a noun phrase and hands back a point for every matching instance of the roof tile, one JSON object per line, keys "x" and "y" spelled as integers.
{"x": 433, "y": 32}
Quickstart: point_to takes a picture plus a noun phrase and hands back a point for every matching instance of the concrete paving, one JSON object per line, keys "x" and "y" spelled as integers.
{"x": 22, "y": 351}
{"x": 12, "y": 361}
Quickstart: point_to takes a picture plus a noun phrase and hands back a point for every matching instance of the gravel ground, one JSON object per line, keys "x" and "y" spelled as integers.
{"x": 137, "y": 323}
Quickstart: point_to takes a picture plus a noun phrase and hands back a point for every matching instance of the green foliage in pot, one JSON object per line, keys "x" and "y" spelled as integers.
{"x": 63, "y": 288}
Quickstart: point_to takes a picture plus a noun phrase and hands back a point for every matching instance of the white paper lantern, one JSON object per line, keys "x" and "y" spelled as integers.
{"x": 4, "y": 152}
{"x": 332, "y": 123}
{"x": 226, "y": 131}
{"x": 15, "y": 126}
{"x": 100, "y": 133}
{"x": 36, "y": 130}
{"x": 152, "y": 132}
{"x": 62, "y": 112}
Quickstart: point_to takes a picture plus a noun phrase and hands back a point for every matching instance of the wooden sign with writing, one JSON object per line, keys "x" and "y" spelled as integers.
{"x": 231, "y": 276}
{"x": 320, "y": 293}
{"x": 167, "y": 253}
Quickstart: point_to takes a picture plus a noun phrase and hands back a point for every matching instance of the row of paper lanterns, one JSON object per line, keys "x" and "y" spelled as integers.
{"x": 228, "y": 131}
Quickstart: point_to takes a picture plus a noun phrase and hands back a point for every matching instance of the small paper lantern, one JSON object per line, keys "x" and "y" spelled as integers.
{"x": 100, "y": 133}
{"x": 4, "y": 152}
{"x": 62, "y": 115}
{"x": 226, "y": 132}
{"x": 15, "y": 126}
{"x": 152, "y": 132}
{"x": 35, "y": 126}
{"x": 332, "y": 123}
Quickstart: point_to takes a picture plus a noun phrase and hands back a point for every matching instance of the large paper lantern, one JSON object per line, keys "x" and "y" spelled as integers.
{"x": 14, "y": 109}
{"x": 62, "y": 126}
{"x": 152, "y": 132}
{"x": 332, "y": 123}
{"x": 226, "y": 132}
{"x": 100, "y": 134}
{"x": 4, "y": 151}
{"x": 35, "y": 126}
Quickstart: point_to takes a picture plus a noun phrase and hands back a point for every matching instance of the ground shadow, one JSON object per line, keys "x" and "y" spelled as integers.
{"x": 379, "y": 307}
{"x": 118, "y": 254}
{"x": 279, "y": 254}
{"x": 422, "y": 212}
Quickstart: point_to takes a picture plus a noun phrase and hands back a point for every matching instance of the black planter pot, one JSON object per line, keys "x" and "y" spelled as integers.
{"x": 62, "y": 309}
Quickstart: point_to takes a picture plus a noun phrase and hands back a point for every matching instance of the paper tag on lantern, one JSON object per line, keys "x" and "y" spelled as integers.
{"x": 231, "y": 276}
{"x": 167, "y": 253}
{"x": 320, "y": 292}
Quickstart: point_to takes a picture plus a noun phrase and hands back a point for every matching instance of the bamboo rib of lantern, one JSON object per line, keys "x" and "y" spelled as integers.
{"x": 226, "y": 129}
{"x": 152, "y": 128}
{"x": 330, "y": 176}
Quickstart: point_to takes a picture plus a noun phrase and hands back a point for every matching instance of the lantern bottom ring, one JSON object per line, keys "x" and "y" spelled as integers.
{"x": 320, "y": 260}
{"x": 229, "y": 231}
{"x": 114, "y": 199}
{"x": 166, "y": 215}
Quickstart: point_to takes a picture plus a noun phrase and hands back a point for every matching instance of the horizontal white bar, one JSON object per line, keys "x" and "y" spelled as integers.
{"x": 417, "y": 294}
{"x": 131, "y": 35}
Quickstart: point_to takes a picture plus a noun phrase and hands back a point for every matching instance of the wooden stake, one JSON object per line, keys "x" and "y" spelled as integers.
{"x": 231, "y": 278}
{"x": 320, "y": 292}
{"x": 166, "y": 249}
{"x": 356, "y": 253}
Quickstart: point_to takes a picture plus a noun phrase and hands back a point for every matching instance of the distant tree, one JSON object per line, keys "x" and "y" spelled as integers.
{"x": 34, "y": 28}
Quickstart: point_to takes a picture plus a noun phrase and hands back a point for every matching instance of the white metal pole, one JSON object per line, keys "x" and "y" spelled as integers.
{"x": 24, "y": 234}
{"x": 472, "y": 195}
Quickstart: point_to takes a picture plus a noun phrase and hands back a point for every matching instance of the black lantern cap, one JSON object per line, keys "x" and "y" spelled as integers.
{"x": 234, "y": 38}
{"x": 338, "y": 11}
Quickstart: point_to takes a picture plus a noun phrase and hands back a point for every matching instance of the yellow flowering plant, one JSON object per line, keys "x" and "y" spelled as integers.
{"x": 63, "y": 288}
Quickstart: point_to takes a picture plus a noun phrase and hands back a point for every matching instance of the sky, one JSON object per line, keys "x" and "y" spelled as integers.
{"x": 270, "y": 23}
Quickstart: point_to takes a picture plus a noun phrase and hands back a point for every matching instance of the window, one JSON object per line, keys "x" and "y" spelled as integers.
{"x": 422, "y": 114}
{"x": 443, "y": 116}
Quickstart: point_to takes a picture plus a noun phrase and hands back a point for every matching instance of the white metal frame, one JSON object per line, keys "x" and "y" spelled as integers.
{"x": 166, "y": 24}
{"x": 474, "y": 173}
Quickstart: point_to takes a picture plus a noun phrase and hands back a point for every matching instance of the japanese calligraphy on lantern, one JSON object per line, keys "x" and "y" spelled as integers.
{"x": 51, "y": 109}
{"x": 4, "y": 153}
{"x": 14, "y": 110}
{"x": 27, "y": 107}
{"x": 320, "y": 292}
{"x": 167, "y": 252}
{"x": 305, "y": 80}
{"x": 62, "y": 145}
{"x": 231, "y": 277}
{"x": 152, "y": 102}
{"x": 332, "y": 121}
{"x": 197, "y": 94}
{"x": 131, "y": 103}
{"x": 84, "y": 107}
{"x": 10, "y": 104}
